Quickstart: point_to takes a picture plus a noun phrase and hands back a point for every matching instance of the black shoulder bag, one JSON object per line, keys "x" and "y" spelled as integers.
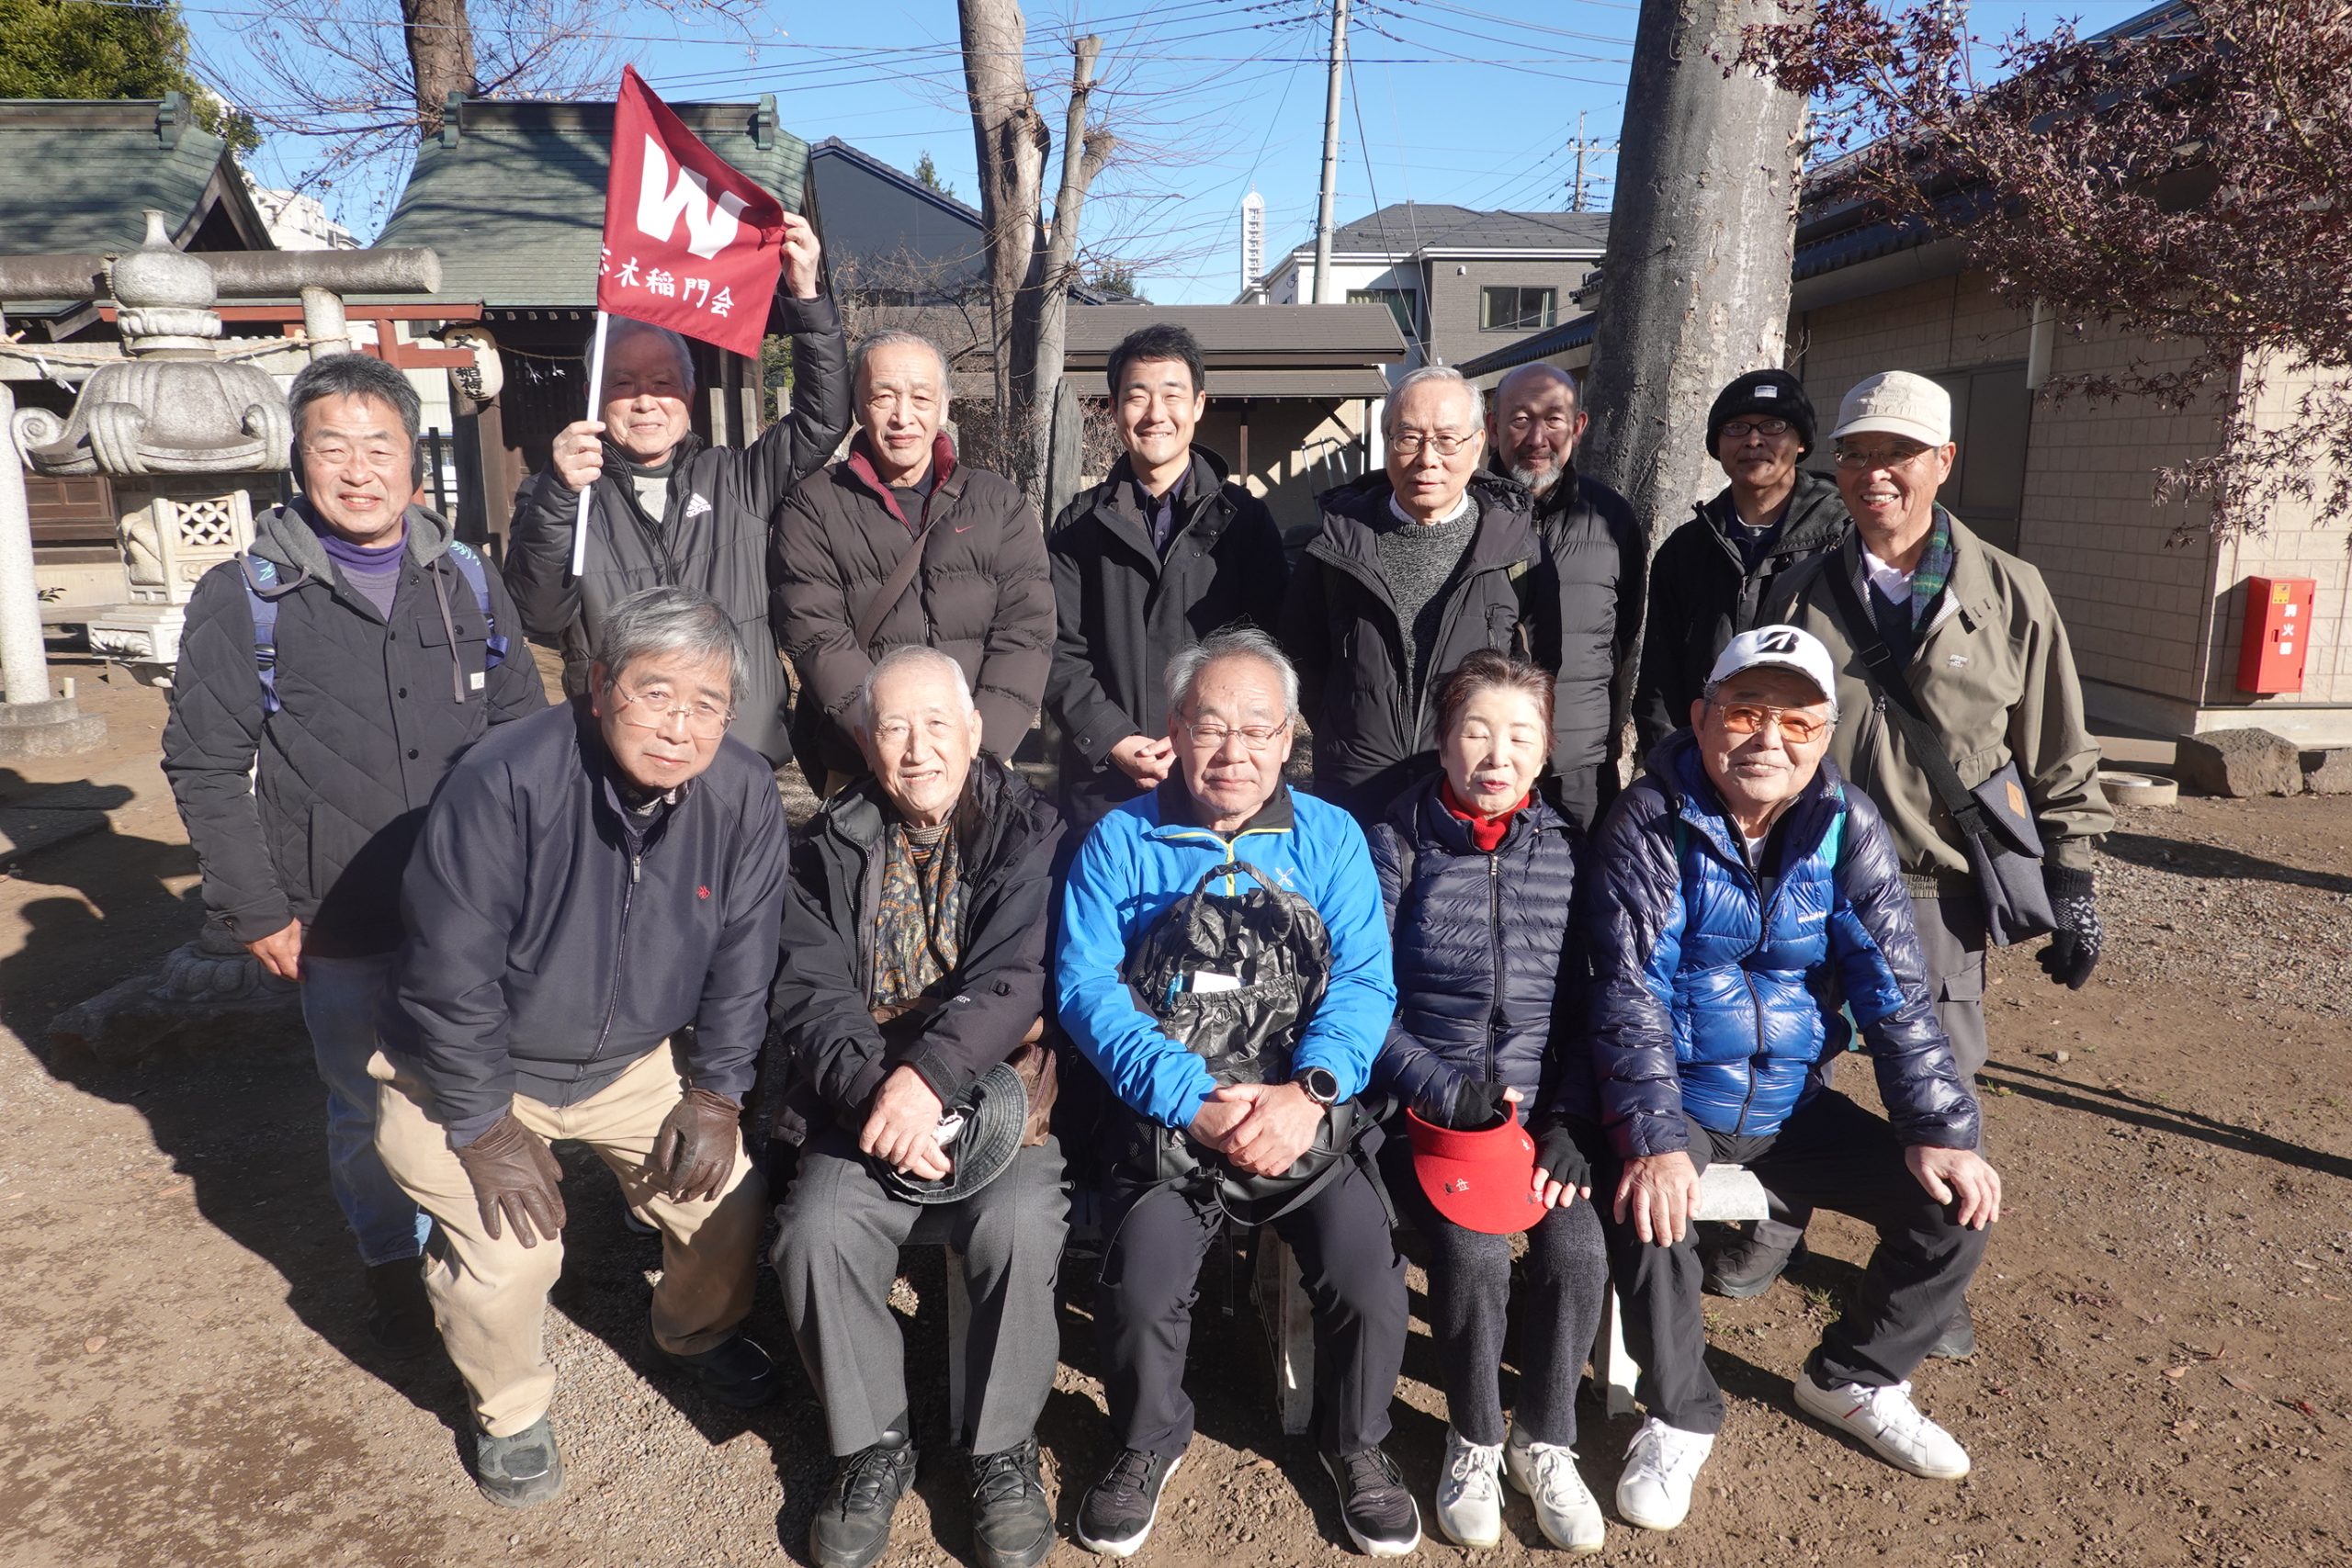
{"x": 1995, "y": 818}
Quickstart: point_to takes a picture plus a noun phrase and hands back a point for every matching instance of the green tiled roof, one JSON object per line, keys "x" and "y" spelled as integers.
{"x": 511, "y": 194}
{"x": 75, "y": 176}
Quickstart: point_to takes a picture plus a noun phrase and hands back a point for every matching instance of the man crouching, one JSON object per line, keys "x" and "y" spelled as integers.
{"x": 590, "y": 883}
{"x": 909, "y": 1006}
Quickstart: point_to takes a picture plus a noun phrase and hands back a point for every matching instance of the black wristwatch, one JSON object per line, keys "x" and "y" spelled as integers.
{"x": 1321, "y": 1085}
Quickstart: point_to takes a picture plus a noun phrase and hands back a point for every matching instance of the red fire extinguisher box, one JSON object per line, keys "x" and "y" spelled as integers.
{"x": 2278, "y": 633}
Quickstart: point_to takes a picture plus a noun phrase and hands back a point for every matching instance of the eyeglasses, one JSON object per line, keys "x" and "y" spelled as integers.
{"x": 376, "y": 455}
{"x": 656, "y": 707}
{"x": 1214, "y": 734}
{"x": 1861, "y": 460}
{"x": 1741, "y": 429}
{"x": 1407, "y": 444}
{"x": 1796, "y": 728}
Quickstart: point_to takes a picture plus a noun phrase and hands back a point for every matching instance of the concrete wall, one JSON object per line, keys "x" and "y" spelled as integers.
{"x": 1296, "y": 449}
{"x": 1455, "y": 332}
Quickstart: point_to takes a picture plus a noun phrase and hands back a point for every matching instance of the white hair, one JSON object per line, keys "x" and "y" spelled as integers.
{"x": 912, "y": 655}
{"x": 886, "y": 338}
{"x": 1233, "y": 642}
{"x": 1444, "y": 375}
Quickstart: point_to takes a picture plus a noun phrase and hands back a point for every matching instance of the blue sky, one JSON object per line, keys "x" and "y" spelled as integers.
{"x": 1472, "y": 102}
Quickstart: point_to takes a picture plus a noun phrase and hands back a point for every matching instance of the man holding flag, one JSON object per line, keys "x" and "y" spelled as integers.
{"x": 692, "y": 247}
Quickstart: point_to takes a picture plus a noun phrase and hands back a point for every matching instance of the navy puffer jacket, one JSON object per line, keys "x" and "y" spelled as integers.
{"x": 1481, "y": 944}
{"x": 1708, "y": 1002}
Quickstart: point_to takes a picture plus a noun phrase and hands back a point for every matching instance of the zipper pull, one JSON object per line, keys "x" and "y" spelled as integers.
{"x": 635, "y": 867}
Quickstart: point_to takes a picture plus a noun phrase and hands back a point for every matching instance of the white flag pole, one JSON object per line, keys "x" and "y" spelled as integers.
{"x": 596, "y": 389}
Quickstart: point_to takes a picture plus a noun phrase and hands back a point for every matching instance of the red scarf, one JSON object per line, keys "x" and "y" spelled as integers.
{"x": 1485, "y": 832}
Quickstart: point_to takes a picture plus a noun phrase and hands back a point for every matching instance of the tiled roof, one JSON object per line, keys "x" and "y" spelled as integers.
{"x": 511, "y": 194}
{"x": 76, "y": 177}
{"x": 1263, "y": 337}
{"x": 1404, "y": 228}
{"x": 1577, "y": 334}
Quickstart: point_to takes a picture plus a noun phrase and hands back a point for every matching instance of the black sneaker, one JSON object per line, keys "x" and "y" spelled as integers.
{"x": 1958, "y": 1341}
{"x": 517, "y": 1471}
{"x": 1746, "y": 1267}
{"x": 736, "y": 1373}
{"x": 1011, "y": 1525}
{"x": 399, "y": 1318}
{"x": 1379, "y": 1513}
{"x": 853, "y": 1524}
{"x": 1119, "y": 1510}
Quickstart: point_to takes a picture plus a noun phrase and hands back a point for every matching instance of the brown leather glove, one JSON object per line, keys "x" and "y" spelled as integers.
{"x": 514, "y": 1175}
{"x": 694, "y": 1152}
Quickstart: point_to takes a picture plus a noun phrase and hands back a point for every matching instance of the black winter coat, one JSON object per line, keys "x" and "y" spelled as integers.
{"x": 827, "y": 1055}
{"x": 1702, "y": 595}
{"x": 555, "y": 937}
{"x": 1340, "y": 627}
{"x": 713, "y": 534}
{"x": 374, "y": 712}
{"x": 1123, "y": 612}
{"x": 1486, "y": 979}
{"x": 1597, "y": 561}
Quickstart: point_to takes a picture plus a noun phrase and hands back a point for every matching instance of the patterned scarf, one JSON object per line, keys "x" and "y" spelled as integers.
{"x": 1934, "y": 571}
{"x": 919, "y": 921}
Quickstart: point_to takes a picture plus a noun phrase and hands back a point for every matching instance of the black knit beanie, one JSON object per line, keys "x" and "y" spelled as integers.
{"x": 1774, "y": 394}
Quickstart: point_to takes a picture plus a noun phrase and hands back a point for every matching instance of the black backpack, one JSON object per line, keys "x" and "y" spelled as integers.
{"x": 1271, "y": 956}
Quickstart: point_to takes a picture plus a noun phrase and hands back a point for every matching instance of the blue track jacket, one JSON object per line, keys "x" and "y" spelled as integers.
{"x": 1149, "y": 853}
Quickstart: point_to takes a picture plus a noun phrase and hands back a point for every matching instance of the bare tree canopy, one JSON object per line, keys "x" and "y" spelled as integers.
{"x": 2185, "y": 187}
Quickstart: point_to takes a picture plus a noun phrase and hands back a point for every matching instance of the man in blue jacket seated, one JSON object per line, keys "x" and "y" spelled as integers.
{"x": 589, "y": 884}
{"x": 1743, "y": 888}
{"x": 1232, "y": 703}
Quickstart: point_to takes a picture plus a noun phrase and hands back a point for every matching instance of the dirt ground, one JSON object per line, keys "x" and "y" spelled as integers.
{"x": 2163, "y": 1377}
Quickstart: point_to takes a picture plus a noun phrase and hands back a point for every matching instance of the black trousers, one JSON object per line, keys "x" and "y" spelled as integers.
{"x": 1832, "y": 1154}
{"x": 1355, "y": 1279}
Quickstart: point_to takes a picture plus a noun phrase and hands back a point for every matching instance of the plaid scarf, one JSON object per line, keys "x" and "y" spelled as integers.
{"x": 1933, "y": 571}
{"x": 918, "y": 921}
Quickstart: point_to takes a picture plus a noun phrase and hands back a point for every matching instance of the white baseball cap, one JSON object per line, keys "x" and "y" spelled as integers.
{"x": 1899, "y": 404}
{"x": 1788, "y": 647}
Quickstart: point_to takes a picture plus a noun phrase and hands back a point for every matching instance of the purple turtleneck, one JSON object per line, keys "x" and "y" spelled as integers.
{"x": 375, "y": 573}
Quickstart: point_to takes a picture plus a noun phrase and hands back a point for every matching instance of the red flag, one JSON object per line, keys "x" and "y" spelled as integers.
{"x": 691, "y": 242}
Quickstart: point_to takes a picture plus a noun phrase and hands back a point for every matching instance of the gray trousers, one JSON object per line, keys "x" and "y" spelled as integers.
{"x": 837, "y": 1256}
{"x": 1952, "y": 941}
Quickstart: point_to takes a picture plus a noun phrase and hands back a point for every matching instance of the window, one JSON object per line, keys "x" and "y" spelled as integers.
{"x": 1399, "y": 302}
{"x": 1513, "y": 309}
{"x": 1991, "y": 411}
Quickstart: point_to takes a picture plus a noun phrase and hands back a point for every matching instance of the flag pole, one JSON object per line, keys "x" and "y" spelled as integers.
{"x": 595, "y": 386}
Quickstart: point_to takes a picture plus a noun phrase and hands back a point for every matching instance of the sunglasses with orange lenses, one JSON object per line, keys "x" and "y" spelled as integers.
{"x": 1796, "y": 728}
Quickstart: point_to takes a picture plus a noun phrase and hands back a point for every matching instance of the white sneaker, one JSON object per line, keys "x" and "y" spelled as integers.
{"x": 1661, "y": 1464}
{"x": 1470, "y": 1493}
{"x": 1565, "y": 1510}
{"x": 1886, "y": 1421}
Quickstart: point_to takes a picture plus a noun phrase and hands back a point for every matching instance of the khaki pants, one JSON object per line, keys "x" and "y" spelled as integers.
{"x": 490, "y": 1297}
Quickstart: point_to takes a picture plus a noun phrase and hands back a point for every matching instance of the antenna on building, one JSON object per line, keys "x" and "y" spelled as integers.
{"x": 1253, "y": 241}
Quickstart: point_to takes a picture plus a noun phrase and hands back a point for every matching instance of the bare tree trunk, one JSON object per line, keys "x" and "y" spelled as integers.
{"x": 1695, "y": 286}
{"x": 1082, "y": 157}
{"x": 441, "y": 53}
{"x": 1011, "y": 141}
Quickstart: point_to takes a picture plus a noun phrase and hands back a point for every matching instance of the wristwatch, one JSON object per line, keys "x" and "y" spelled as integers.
{"x": 1321, "y": 1085}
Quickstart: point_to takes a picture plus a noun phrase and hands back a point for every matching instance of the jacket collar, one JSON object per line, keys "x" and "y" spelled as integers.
{"x": 284, "y": 537}
{"x": 1675, "y": 764}
{"x": 1203, "y": 506}
{"x": 942, "y": 475}
{"x": 1968, "y": 592}
{"x": 1352, "y": 515}
{"x": 1421, "y": 814}
{"x": 996, "y": 813}
{"x": 606, "y": 783}
{"x": 623, "y": 465}
{"x": 1815, "y": 518}
{"x": 1175, "y": 807}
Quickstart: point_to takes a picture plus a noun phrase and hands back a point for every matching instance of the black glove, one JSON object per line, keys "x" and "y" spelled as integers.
{"x": 2074, "y": 947}
{"x": 695, "y": 1151}
{"x": 514, "y": 1175}
{"x": 1465, "y": 1104}
{"x": 1558, "y": 1158}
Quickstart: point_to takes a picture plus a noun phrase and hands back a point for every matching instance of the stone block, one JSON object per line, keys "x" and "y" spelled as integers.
{"x": 52, "y": 729}
{"x": 2328, "y": 772}
{"x": 2240, "y": 763}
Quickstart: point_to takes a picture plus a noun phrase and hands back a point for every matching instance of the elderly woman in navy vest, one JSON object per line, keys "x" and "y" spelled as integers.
{"x": 1478, "y": 872}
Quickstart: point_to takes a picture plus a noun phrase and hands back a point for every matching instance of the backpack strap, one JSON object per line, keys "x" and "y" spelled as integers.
{"x": 260, "y": 575}
{"x": 469, "y": 566}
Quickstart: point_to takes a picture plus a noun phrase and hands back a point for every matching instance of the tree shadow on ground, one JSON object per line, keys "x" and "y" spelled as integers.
{"x": 2182, "y": 857}
{"x": 2133, "y": 1110}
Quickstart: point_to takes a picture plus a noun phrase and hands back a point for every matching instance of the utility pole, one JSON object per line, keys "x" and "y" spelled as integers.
{"x": 1323, "y": 291}
{"x": 1582, "y": 145}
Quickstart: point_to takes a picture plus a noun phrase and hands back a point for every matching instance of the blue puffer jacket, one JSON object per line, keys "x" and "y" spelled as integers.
{"x": 1709, "y": 1003}
{"x": 1481, "y": 942}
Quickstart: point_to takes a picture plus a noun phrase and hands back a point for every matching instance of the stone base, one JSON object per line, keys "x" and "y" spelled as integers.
{"x": 57, "y": 727}
{"x": 207, "y": 989}
{"x": 2240, "y": 763}
{"x": 137, "y": 633}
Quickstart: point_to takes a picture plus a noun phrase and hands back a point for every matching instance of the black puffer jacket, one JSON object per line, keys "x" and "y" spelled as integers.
{"x": 556, "y": 937}
{"x": 374, "y": 711}
{"x": 1702, "y": 595}
{"x": 1593, "y": 573}
{"x": 1340, "y": 627}
{"x": 1483, "y": 971}
{"x": 826, "y": 1056}
{"x": 713, "y": 534}
{"x": 1124, "y": 611}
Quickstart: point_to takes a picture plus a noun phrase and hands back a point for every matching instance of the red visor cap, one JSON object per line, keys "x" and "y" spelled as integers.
{"x": 1482, "y": 1181}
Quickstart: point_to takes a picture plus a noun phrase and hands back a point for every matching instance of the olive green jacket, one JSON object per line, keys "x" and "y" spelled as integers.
{"x": 1997, "y": 677}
